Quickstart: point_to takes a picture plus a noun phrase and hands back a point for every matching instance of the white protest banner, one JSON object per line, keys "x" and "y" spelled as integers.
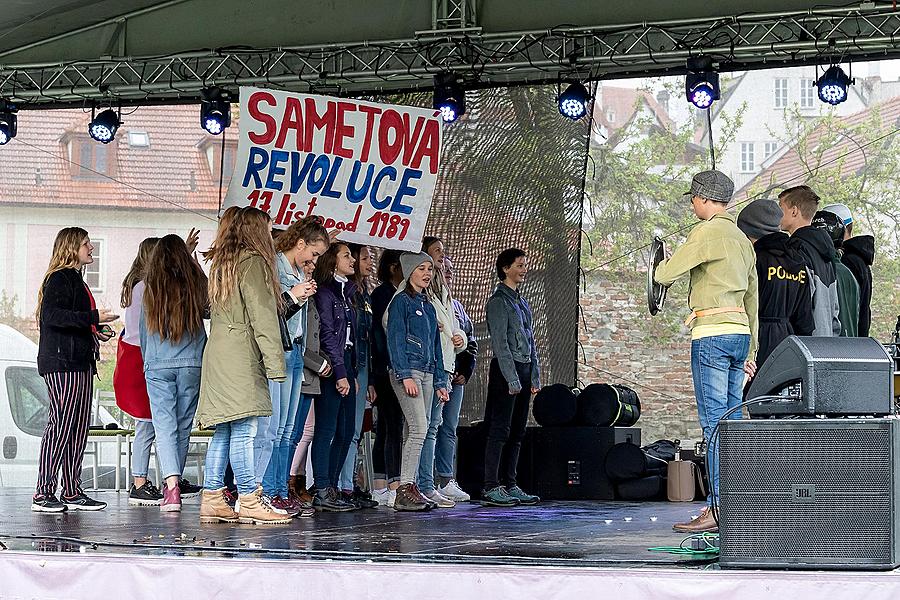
{"x": 367, "y": 169}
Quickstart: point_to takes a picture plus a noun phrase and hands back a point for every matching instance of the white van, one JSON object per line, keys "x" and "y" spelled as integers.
{"x": 24, "y": 410}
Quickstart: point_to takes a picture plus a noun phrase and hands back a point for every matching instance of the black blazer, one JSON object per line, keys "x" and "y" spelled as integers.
{"x": 67, "y": 342}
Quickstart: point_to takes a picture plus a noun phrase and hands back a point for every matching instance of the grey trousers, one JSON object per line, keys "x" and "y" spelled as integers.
{"x": 415, "y": 410}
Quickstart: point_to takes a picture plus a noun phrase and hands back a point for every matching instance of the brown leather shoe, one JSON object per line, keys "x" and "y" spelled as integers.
{"x": 214, "y": 509}
{"x": 409, "y": 499}
{"x": 704, "y": 523}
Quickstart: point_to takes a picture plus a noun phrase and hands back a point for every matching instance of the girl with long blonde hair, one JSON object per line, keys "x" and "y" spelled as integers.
{"x": 243, "y": 352}
{"x": 68, "y": 350}
{"x": 172, "y": 342}
{"x": 129, "y": 383}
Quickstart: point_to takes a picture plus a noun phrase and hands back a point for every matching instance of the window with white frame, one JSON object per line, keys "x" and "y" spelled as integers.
{"x": 781, "y": 93}
{"x": 769, "y": 149}
{"x": 748, "y": 160}
{"x": 95, "y": 273}
{"x": 807, "y": 93}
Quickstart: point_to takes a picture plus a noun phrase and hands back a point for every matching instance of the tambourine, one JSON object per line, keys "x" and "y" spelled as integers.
{"x": 656, "y": 293}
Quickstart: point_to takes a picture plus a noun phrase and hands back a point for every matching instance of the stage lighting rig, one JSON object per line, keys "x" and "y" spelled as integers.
{"x": 701, "y": 83}
{"x": 215, "y": 110}
{"x": 833, "y": 85}
{"x": 8, "y": 121}
{"x": 103, "y": 126}
{"x": 449, "y": 97}
{"x": 574, "y": 102}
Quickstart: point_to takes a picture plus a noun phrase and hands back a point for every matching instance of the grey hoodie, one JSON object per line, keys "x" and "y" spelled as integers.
{"x": 817, "y": 249}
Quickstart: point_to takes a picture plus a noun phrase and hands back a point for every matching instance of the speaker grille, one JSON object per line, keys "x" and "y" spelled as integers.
{"x": 810, "y": 492}
{"x": 825, "y": 348}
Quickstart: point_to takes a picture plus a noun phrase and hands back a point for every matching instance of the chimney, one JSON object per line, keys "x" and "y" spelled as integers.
{"x": 662, "y": 96}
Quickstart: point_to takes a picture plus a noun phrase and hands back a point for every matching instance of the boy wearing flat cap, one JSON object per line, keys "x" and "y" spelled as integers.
{"x": 723, "y": 299}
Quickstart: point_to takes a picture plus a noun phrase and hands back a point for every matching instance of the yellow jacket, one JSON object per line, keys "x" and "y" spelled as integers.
{"x": 722, "y": 267}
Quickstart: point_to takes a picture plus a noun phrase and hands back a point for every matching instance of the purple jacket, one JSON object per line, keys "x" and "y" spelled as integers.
{"x": 335, "y": 313}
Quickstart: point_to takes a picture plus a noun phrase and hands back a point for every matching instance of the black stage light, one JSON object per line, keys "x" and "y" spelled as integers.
{"x": 8, "y": 121}
{"x": 449, "y": 97}
{"x": 215, "y": 110}
{"x": 833, "y": 85}
{"x": 701, "y": 85}
{"x": 573, "y": 103}
{"x": 103, "y": 126}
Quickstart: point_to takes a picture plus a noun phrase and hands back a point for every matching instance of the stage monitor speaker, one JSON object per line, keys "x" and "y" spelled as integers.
{"x": 568, "y": 462}
{"x": 809, "y": 493}
{"x": 832, "y": 376}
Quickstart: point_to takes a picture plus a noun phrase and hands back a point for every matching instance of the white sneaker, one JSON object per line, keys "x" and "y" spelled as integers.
{"x": 454, "y": 492}
{"x": 381, "y": 496}
{"x": 437, "y": 497}
{"x": 392, "y": 495}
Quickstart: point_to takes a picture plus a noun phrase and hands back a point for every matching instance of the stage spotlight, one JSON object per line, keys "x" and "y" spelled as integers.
{"x": 449, "y": 97}
{"x": 833, "y": 85}
{"x": 215, "y": 110}
{"x": 701, "y": 84}
{"x": 574, "y": 102}
{"x": 8, "y": 122}
{"x": 103, "y": 127}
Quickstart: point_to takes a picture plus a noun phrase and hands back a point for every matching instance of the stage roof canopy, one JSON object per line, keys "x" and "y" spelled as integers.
{"x": 74, "y": 52}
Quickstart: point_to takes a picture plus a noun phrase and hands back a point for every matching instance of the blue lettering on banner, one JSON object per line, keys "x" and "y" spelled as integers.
{"x": 406, "y": 190}
{"x": 390, "y": 172}
{"x": 275, "y": 170}
{"x": 258, "y": 160}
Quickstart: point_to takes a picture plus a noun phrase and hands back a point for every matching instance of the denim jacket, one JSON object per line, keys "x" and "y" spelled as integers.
{"x": 362, "y": 312}
{"x": 163, "y": 354}
{"x": 511, "y": 327}
{"x": 288, "y": 280}
{"x": 413, "y": 339}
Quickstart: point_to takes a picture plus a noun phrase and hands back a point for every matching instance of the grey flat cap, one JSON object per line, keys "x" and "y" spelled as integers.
{"x": 712, "y": 185}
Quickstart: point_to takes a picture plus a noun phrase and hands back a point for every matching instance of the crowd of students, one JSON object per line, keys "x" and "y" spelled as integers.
{"x": 780, "y": 268}
{"x": 297, "y": 348}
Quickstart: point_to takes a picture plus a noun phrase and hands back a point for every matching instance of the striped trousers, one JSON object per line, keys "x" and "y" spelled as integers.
{"x": 66, "y": 434}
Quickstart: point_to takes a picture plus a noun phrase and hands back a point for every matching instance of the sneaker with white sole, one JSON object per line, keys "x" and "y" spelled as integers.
{"x": 171, "y": 500}
{"x": 381, "y": 496}
{"x": 392, "y": 497}
{"x": 454, "y": 492}
{"x": 146, "y": 495}
{"x": 49, "y": 504}
{"x": 439, "y": 499}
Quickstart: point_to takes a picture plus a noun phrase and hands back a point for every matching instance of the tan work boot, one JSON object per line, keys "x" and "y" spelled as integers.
{"x": 254, "y": 509}
{"x": 214, "y": 509}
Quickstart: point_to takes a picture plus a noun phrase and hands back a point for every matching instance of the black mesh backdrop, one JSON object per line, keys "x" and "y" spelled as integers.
{"x": 512, "y": 176}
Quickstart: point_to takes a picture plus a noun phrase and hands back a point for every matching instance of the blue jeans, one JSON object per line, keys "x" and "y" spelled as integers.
{"x": 717, "y": 367}
{"x": 334, "y": 428}
{"x": 349, "y": 470}
{"x": 273, "y": 438}
{"x": 140, "y": 447}
{"x": 445, "y": 444}
{"x": 231, "y": 443}
{"x": 425, "y": 478}
{"x": 173, "y": 393}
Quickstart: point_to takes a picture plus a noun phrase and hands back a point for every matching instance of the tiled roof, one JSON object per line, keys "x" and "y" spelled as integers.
{"x": 789, "y": 169}
{"x": 623, "y": 103}
{"x": 34, "y": 169}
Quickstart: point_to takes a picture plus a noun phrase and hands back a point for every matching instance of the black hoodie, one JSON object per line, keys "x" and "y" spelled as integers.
{"x": 817, "y": 249}
{"x": 859, "y": 254}
{"x": 785, "y": 297}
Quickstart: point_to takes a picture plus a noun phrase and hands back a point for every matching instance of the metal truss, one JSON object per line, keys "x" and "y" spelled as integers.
{"x": 868, "y": 31}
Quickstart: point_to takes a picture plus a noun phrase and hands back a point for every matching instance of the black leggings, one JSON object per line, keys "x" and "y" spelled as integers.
{"x": 505, "y": 416}
{"x": 388, "y": 431}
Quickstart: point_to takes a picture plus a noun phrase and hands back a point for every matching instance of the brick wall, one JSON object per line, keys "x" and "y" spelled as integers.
{"x": 621, "y": 343}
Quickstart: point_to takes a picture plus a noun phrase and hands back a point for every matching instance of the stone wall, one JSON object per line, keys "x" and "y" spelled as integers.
{"x": 621, "y": 343}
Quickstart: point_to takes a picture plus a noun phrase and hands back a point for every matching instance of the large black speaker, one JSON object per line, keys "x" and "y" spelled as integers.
{"x": 569, "y": 462}
{"x": 470, "y": 458}
{"x": 809, "y": 493}
{"x": 832, "y": 376}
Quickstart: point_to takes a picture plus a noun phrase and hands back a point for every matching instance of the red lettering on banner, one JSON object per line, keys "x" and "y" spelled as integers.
{"x": 390, "y": 150}
{"x": 428, "y": 146}
{"x": 314, "y": 121}
{"x": 292, "y": 120}
{"x": 410, "y": 137}
{"x": 370, "y": 112}
{"x": 342, "y": 130}
{"x": 266, "y": 119}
